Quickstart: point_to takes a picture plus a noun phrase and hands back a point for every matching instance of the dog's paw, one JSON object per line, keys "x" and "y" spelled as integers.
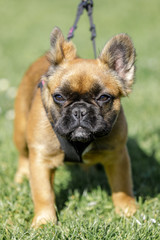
{"x": 124, "y": 204}
{"x": 43, "y": 218}
{"x": 126, "y": 210}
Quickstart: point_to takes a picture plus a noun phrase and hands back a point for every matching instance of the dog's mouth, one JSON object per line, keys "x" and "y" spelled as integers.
{"x": 81, "y": 134}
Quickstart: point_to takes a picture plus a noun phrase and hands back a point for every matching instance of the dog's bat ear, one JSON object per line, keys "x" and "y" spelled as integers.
{"x": 119, "y": 54}
{"x": 60, "y": 48}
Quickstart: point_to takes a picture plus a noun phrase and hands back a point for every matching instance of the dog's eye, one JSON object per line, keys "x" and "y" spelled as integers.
{"x": 58, "y": 98}
{"x": 104, "y": 98}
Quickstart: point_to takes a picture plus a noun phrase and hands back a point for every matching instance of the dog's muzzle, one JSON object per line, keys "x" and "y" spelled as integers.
{"x": 79, "y": 114}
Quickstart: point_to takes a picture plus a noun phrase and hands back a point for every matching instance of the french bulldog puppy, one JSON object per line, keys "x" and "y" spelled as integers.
{"x": 69, "y": 109}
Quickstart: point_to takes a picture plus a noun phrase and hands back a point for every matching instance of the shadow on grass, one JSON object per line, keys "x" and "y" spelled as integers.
{"x": 145, "y": 169}
{"x": 82, "y": 179}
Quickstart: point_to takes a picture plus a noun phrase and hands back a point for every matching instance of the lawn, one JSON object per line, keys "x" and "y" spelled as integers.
{"x": 84, "y": 206}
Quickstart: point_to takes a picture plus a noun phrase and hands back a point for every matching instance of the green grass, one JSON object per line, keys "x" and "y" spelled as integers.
{"x": 84, "y": 205}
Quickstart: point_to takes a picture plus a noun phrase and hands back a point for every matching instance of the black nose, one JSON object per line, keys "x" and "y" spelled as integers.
{"x": 79, "y": 112}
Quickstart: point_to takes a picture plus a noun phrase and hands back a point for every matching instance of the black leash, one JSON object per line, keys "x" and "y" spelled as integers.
{"x": 88, "y": 5}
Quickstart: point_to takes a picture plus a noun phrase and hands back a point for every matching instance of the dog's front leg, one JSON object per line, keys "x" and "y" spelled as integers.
{"x": 119, "y": 176}
{"x": 41, "y": 177}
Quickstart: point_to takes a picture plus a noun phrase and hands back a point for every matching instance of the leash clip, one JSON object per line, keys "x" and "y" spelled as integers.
{"x": 86, "y": 3}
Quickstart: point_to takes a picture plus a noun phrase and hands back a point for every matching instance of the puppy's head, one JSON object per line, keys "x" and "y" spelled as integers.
{"x": 82, "y": 97}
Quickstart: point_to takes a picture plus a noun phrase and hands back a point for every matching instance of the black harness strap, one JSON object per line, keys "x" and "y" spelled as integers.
{"x": 73, "y": 150}
{"x": 88, "y": 5}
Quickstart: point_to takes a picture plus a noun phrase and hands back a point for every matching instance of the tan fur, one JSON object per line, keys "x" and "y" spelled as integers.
{"x": 39, "y": 149}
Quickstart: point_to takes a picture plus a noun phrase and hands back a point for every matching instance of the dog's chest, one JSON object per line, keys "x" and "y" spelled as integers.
{"x": 94, "y": 154}
{"x": 100, "y": 151}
